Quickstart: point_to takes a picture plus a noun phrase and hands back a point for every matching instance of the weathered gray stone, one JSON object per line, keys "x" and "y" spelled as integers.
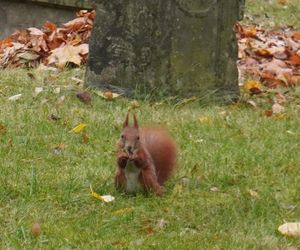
{"x": 16, "y": 15}
{"x": 174, "y": 47}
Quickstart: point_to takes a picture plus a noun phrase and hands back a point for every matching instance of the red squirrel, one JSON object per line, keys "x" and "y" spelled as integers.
{"x": 146, "y": 158}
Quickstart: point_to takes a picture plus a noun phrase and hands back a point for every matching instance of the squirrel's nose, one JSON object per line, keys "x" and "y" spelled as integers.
{"x": 129, "y": 149}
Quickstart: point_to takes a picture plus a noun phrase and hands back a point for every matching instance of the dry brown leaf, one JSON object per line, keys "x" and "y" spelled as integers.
{"x": 36, "y": 229}
{"x": 58, "y": 148}
{"x": 35, "y": 32}
{"x": 296, "y": 36}
{"x": 268, "y": 113}
{"x": 291, "y": 229}
{"x": 254, "y": 87}
{"x": 253, "y": 193}
{"x": 84, "y": 96}
{"x": 252, "y": 103}
{"x": 49, "y": 27}
{"x": 277, "y": 108}
{"x": 280, "y": 98}
{"x": 263, "y": 53}
{"x": 283, "y": 2}
{"x": 294, "y": 59}
{"x": 85, "y": 138}
{"x": 68, "y": 54}
{"x": 2, "y": 129}
{"x": 214, "y": 189}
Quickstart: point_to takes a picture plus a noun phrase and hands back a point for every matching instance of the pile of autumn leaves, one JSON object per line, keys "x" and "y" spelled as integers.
{"x": 51, "y": 45}
{"x": 268, "y": 57}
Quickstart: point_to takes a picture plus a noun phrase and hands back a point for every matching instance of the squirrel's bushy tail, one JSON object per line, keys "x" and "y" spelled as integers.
{"x": 163, "y": 151}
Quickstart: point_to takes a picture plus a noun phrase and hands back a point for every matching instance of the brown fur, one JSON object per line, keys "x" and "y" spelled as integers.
{"x": 151, "y": 151}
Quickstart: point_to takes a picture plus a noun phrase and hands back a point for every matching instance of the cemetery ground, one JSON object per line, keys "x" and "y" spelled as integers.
{"x": 237, "y": 178}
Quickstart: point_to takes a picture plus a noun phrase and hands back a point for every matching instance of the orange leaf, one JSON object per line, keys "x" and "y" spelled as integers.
{"x": 263, "y": 53}
{"x": 296, "y": 36}
{"x": 249, "y": 32}
{"x": 295, "y": 59}
{"x": 49, "y": 26}
{"x": 254, "y": 87}
{"x": 269, "y": 112}
{"x": 7, "y": 42}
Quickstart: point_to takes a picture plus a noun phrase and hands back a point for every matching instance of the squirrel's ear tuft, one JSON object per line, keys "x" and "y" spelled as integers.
{"x": 135, "y": 123}
{"x": 125, "y": 124}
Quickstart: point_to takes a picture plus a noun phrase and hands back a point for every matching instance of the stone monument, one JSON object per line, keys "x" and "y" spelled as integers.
{"x": 165, "y": 47}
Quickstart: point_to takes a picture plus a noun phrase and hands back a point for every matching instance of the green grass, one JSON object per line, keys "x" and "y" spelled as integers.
{"x": 238, "y": 150}
{"x": 272, "y": 14}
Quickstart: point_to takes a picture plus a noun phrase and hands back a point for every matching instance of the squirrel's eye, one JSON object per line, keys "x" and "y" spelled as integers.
{"x": 122, "y": 136}
{"x": 138, "y": 138}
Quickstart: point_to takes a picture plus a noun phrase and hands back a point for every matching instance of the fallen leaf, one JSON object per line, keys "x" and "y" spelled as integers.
{"x": 28, "y": 55}
{"x": 36, "y": 229}
{"x": 2, "y": 129}
{"x": 49, "y": 26}
{"x": 58, "y": 148}
{"x": 291, "y": 229}
{"x": 105, "y": 198}
{"x": 78, "y": 128}
{"x": 10, "y": 143}
{"x": 282, "y": 116}
{"x": 77, "y": 80}
{"x": 35, "y": 32}
{"x": 15, "y": 97}
{"x": 277, "y": 108}
{"x": 67, "y": 54}
{"x": 60, "y": 100}
{"x": 205, "y": 120}
{"x": 252, "y": 103}
{"x": 253, "y": 86}
{"x": 185, "y": 181}
{"x": 54, "y": 117}
{"x": 161, "y": 224}
{"x": 294, "y": 59}
{"x": 85, "y": 138}
{"x": 37, "y": 91}
{"x": 253, "y": 193}
{"x": 84, "y": 96}
{"x": 264, "y": 53}
{"x": 177, "y": 189}
{"x": 268, "y": 112}
{"x": 296, "y": 36}
{"x": 123, "y": 211}
{"x": 56, "y": 90}
{"x": 280, "y": 98}
{"x": 283, "y": 2}
{"x": 108, "y": 95}
{"x": 149, "y": 230}
{"x": 32, "y": 76}
{"x": 214, "y": 189}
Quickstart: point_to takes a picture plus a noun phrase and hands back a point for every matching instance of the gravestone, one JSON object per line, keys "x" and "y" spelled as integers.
{"x": 172, "y": 47}
{"x": 22, "y": 14}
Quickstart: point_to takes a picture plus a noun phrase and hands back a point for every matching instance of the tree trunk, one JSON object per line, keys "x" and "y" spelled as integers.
{"x": 173, "y": 47}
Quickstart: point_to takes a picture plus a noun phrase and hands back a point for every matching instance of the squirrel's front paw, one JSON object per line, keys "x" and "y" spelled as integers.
{"x": 160, "y": 191}
{"x": 122, "y": 161}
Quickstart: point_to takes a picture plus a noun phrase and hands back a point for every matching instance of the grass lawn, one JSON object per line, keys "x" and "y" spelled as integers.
{"x": 238, "y": 175}
{"x": 234, "y": 151}
{"x": 273, "y": 14}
